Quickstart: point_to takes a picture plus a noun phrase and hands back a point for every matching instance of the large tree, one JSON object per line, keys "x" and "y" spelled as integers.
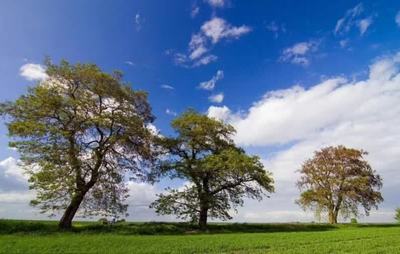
{"x": 219, "y": 174}
{"x": 78, "y": 133}
{"x": 339, "y": 180}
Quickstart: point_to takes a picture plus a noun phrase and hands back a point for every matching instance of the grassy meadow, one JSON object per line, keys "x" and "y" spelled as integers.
{"x": 88, "y": 237}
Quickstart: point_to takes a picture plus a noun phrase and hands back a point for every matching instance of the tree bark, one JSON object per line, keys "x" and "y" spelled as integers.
{"x": 332, "y": 216}
{"x": 66, "y": 220}
{"x": 203, "y": 217}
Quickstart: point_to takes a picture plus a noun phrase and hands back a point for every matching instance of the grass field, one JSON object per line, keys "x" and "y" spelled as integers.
{"x": 43, "y": 237}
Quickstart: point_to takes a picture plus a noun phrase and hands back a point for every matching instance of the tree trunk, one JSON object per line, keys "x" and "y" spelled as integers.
{"x": 68, "y": 216}
{"x": 203, "y": 217}
{"x": 332, "y": 217}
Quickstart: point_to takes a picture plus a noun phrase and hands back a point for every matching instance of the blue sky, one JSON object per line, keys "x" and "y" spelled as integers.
{"x": 254, "y": 64}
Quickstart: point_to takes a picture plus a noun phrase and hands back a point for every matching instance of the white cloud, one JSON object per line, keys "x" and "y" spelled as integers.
{"x": 297, "y": 121}
{"x": 17, "y": 197}
{"x": 12, "y": 169}
{"x": 205, "y": 60}
{"x": 216, "y": 3}
{"x": 276, "y": 28}
{"x": 33, "y": 72}
{"x": 352, "y": 19}
{"x": 216, "y": 98}
{"x": 222, "y": 113}
{"x": 210, "y": 84}
{"x": 397, "y": 18}
{"x": 344, "y": 43}
{"x": 195, "y": 11}
{"x": 364, "y": 24}
{"x": 211, "y": 32}
{"x": 130, "y": 63}
{"x": 170, "y": 112}
{"x": 168, "y": 87}
{"x": 139, "y": 20}
{"x": 344, "y": 24}
{"x": 218, "y": 28}
{"x": 299, "y": 53}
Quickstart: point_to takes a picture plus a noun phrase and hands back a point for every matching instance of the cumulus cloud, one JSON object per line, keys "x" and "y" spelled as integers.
{"x": 295, "y": 122}
{"x": 12, "y": 177}
{"x": 14, "y": 192}
{"x": 33, "y": 72}
{"x": 210, "y": 84}
{"x": 211, "y": 32}
{"x": 299, "y": 53}
{"x": 222, "y": 113}
{"x": 216, "y": 98}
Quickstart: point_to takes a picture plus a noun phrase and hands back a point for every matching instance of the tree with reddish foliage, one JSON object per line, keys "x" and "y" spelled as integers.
{"x": 339, "y": 180}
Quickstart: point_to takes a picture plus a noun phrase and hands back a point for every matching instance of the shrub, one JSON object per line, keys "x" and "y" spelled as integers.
{"x": 353, "y": 221}
{"x": 103, "y": 221}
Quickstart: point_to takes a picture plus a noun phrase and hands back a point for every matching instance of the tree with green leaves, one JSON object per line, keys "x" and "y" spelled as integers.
{"x": 219, "y": 174}
{"x": 78, "y": 134}
{"x": 397, "y": 215}
{"x": 339, "y": 180}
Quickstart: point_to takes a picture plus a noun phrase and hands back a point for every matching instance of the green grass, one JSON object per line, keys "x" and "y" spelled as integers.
{"x": 43, "y": 237}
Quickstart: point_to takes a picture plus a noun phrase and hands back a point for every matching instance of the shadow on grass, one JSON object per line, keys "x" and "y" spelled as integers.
{"x": 161, "y": 228}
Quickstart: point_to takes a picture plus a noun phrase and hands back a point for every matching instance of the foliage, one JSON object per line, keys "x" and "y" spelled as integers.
{"x": 219, "y": 173}
{"x": 78, "y": 132}
{"x": 353, "y": 221}
{"x": 397, "y": 215}
{"x": 339, "y": 179}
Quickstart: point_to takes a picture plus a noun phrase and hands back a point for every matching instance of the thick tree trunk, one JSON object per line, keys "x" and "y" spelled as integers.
{"x": 203, "y": 217}
{"x": 68, "y": 216}
{"x": 332, "y": 216}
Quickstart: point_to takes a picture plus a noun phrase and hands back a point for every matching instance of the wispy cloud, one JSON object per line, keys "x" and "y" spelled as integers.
{"x": 139, "y": 20}
{"x": 364, "y": 24}
{"x": 216, "y": 98}
{"x": 33, "y": 72}
{"x": 276, "y": 29}
{"x": 352, "y": 18}
{"x": 217, "y": 3}
{"x": 210, "y": 84}
{"x": 168, "y": 87}
{"x": 130, "y": 63}
{"x": 211, "y": 32}
{"x": 344, "y": 24}
{"x": 218, "y": 28}
{"x": 397, "y": 18}
{"x": 299, "y": 53}
{"x": 195, "y": 11}
{"x": 170, "y": 112}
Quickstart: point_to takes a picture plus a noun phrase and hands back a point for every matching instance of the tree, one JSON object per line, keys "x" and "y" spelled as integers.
{"x": 339, "y": 179}
{"x": 219, "y": 173}
{"x": 78, "y": 133}
{"x": 397, "y": 215}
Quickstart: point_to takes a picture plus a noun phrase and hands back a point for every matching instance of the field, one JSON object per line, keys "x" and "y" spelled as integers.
{"x": 43, "y": 237}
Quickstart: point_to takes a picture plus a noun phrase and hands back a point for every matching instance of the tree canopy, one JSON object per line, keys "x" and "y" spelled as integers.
{"x": 339, "y": 179}
{"x": 218, "y": 173}
{"x": 78, "y": 133}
